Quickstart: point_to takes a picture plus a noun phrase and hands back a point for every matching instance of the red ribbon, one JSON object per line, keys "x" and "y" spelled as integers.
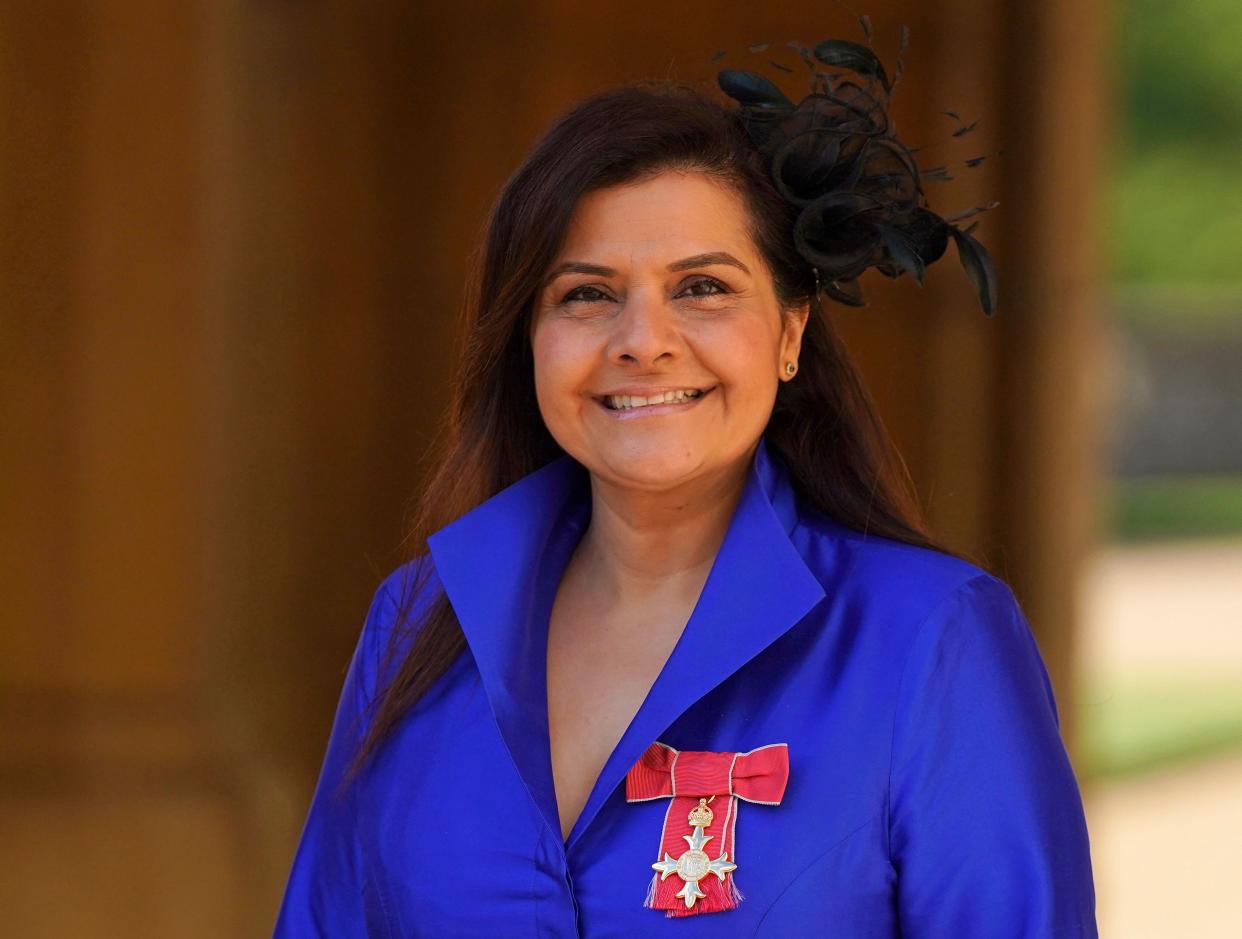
{"x": 686, "y": 776}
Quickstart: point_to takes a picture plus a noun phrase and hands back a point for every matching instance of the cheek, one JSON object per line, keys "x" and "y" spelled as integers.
{"x": 745, "y": 354}
{"x": 561, "y": 365}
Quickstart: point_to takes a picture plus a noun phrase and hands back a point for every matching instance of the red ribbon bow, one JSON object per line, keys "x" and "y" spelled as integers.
{"x": 690, "y": 778}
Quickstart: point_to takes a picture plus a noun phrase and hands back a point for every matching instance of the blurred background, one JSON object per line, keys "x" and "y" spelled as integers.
{"x": 234, "y": 240}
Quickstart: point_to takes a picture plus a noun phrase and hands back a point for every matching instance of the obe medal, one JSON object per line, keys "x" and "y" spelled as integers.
{"x": 691, "y": 779}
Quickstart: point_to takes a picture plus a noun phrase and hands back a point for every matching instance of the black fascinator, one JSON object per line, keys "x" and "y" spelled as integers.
{"x": 836, "y": 156}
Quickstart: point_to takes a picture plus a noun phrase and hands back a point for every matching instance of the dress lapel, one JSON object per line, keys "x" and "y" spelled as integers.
{"x": 500, "y": 565}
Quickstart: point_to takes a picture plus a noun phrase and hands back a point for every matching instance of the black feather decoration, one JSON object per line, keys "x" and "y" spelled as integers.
{"x": 851, "y": 55}
{"x": 858, "y": 188}
{"x": 978, "y": 264}
{"x": 752, "y": 90}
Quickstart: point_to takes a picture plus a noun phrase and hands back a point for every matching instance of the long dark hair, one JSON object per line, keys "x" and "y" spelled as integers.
{"x": 824, "y": 426}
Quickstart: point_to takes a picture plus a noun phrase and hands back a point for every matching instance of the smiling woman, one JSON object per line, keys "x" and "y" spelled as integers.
{"x": 665, "y": 328}
{"x": 668, "y": 564}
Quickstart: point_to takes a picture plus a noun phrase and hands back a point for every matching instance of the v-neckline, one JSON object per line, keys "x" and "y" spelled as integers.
{"x": 639, "y": 703}
{"x": 500, "y": 565}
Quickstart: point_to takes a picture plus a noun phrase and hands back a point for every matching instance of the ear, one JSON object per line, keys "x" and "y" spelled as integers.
{"x": 793, "y": 325}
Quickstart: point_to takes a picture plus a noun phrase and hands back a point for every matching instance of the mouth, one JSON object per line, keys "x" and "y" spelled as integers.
{"x": 660, "y": 403}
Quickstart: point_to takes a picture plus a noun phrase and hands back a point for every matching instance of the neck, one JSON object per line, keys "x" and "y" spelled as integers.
{"x": 641, "y": 544}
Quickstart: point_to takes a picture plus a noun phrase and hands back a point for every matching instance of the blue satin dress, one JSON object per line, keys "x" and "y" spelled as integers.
{"x": 929, "y": 792}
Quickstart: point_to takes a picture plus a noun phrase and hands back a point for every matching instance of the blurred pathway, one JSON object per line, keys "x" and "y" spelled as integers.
{"x": 1167, "y": 845}
{"x": 1167, "y": 852}
{"x": 1172, "y": 609}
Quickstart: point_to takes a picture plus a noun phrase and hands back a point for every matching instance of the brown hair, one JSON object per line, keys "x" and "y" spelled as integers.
{"x": 824, "y": 426}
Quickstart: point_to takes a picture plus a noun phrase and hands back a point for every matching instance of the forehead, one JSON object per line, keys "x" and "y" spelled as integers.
{"x": 673, "y": 213}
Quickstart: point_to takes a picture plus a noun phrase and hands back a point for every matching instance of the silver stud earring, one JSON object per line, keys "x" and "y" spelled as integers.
{"x": 790, "y": 368}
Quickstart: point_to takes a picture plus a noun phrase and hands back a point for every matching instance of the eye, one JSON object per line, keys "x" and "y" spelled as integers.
{"x": 575, "y": 295}
{"x": 717, "y": 288}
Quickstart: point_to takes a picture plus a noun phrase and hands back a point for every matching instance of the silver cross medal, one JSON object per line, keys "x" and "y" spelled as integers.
{"x": 694, "y": 865}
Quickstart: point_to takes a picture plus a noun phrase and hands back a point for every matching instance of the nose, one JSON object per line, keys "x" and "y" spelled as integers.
{"x": 645, "y": 331}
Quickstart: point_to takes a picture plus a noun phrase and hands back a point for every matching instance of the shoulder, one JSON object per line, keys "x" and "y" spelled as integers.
{"x": 398, "y": 607}
{"x": 411, "y": 583}
{"x": 925, "y": 612}
{"x": 915, "y": 609}
{"x": 935, "y": 620}
{"x": 899, "y": 587}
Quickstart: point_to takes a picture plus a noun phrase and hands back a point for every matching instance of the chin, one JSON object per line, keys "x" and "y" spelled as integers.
{"x": 650, "y": 464}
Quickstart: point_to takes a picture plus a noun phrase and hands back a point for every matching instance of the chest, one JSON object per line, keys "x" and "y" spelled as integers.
{"x": 455, "y": 845}
{"x": 600, "y": 669}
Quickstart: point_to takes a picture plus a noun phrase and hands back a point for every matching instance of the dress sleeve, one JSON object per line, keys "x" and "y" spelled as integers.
{"x": 986, "y": 826}
{"x": 324, "y": 895}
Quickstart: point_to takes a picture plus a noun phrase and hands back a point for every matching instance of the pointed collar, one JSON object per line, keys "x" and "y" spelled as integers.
{"x": 501, "y": 563}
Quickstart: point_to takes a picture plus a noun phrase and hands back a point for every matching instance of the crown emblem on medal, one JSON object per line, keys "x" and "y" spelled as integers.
{"x": 701, "y": 814}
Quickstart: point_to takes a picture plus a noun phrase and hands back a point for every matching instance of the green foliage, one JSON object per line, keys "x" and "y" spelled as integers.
{"x": 1155, "y": 508}
{"x": 1175, "y": 209}
{"x": 1181, "y": 63}
{"x": 1176, "y": 215}
{"x": 1145, "y": 724}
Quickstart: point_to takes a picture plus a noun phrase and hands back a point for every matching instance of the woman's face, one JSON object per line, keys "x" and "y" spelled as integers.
{"x": 659, "y": 290}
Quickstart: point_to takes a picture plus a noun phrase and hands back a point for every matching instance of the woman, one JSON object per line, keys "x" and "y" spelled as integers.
{"x": 679, "y": 658}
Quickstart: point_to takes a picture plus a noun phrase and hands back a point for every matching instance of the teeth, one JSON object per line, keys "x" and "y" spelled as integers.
{"x": 625, "y": 402}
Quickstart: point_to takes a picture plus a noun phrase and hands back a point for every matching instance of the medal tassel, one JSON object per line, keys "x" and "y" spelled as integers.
{"x": 649, "y": 903}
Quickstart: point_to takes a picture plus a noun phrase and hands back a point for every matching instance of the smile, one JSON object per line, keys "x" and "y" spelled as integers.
{"x": 679, "y": 399}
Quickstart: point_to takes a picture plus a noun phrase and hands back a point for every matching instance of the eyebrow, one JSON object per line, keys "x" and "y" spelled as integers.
{"x": 697, "y": 260}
